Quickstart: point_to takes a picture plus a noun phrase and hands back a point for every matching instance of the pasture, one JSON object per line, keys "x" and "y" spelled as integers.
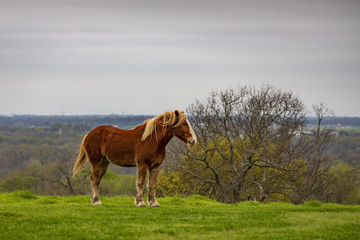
{"x": 27, "y": 216}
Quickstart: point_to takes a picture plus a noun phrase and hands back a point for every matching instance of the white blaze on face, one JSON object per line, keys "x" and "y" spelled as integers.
{"x": 191, "y": 132}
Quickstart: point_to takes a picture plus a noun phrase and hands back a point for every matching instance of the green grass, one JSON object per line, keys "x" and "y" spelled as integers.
{"x": 27, "y": 216}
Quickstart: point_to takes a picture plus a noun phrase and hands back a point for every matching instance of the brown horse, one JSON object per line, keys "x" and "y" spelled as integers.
{"x": 142, "y": 147}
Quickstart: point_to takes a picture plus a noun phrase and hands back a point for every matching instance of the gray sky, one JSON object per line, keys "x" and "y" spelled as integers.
{"x": 147, "y": 57}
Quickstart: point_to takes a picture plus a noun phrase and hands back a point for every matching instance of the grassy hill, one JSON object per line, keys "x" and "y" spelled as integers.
{"x": 27, "y": 216}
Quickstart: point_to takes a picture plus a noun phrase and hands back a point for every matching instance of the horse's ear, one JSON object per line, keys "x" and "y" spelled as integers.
{"x": 177, "y": 113}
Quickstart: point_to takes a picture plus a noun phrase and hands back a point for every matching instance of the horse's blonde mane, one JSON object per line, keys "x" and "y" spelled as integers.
{"x": 168, "y": 119}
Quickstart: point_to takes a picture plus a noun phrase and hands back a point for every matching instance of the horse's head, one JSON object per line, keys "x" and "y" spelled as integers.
{"x": 183, "y": 129}
{"x": 178, "y": 123}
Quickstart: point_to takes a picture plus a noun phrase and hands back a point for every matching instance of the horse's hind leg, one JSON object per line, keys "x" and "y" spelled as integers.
{"x": 98, "y": 171}
{"x": 141, "y": 175}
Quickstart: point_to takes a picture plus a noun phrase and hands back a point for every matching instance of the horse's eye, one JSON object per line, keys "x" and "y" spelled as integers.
{"x": 185, "y": 124}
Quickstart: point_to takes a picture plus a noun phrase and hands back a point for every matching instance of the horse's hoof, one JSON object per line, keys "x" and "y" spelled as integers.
{"x": 97, "y": 203}
{"x": 154, "y": 204}
{"x": 141, "y": 204}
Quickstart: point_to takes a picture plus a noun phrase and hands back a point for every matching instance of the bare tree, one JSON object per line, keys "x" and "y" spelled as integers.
{"x": 315, "y": 177}
{"x": 242, "y": 129}
{"x": 59, "y": 174}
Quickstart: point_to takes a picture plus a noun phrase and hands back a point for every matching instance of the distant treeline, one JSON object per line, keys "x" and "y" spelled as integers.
{"x": 24, "y": 121}
{"x": 344, "y": 121}
{"x": 124, "y": 121}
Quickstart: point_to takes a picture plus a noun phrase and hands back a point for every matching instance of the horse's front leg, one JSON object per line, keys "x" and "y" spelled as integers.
{"x": 153, "y": 172}
{"x": 141, "y": 175}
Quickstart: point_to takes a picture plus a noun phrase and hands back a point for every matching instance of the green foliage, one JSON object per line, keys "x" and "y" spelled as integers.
{"x": 313, "y": 203}
{"x": 3, "y": 138}
{"x": 345, "y": 185}
{"x": 110, "y": 175}
{"x": 20, "y": 195}
{"x": 26, "y": 216}
{"x": 18, "y": 183}
{"x": 113, "y": 184}
{"x": 173, "y": 183}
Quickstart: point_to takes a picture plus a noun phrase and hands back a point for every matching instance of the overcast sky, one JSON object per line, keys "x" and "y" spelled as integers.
{"x": 147, "y": 57}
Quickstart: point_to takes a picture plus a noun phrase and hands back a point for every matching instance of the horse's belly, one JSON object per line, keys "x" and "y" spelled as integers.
{"x": 124, "y": 161}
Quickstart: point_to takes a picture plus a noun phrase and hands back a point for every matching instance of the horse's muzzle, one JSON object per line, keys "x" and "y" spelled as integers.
{"x": 191, "y": 142}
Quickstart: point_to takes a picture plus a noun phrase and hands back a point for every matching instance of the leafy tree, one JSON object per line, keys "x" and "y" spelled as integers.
{"x": 344, "y": 184}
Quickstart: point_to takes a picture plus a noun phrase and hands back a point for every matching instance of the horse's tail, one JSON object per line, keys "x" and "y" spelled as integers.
{"x": 81, "y": 159}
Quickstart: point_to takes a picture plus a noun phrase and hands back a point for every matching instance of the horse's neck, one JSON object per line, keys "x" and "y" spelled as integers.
{"x": 163, "y": 135}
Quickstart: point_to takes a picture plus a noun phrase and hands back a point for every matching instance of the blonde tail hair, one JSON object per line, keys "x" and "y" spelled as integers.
{"x": 81, "y": 159}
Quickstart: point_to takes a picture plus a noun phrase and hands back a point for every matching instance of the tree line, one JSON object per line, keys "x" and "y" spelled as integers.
{"x": 81, "y": 121}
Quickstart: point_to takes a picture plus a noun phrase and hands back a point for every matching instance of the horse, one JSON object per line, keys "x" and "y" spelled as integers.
{"x": 142, "y": 147}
